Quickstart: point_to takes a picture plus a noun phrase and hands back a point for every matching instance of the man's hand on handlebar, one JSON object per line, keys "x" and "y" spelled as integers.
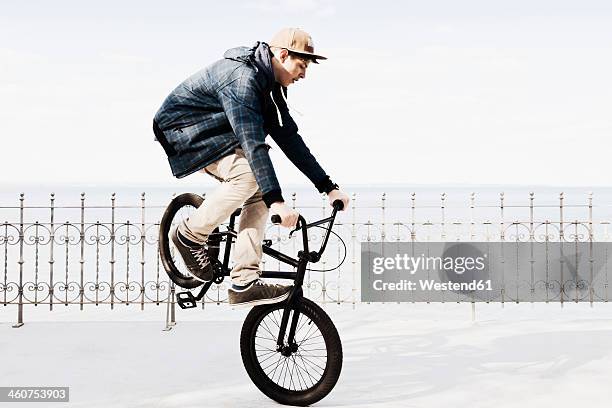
{"x": 287, "y": 214}
{"x": 338, "y": 195}
{"x": 288, "y": 217}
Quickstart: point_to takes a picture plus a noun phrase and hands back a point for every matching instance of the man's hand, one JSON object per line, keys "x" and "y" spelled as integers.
{"x": 288, "y": 215}
{"x": 338, "y": 195}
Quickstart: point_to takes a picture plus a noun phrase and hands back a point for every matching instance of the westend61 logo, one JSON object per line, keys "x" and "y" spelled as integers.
{"x": 484, "y": 271}
{"x": 413, "y": 264}
{"x": 396, "y": 272}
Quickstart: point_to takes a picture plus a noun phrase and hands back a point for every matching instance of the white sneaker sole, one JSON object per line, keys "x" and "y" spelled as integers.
{"x": 195, "y": 277}
{"x": 261, "y": 301}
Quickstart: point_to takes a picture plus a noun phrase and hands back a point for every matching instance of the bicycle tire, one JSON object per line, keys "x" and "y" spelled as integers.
{"x": 183, "y": 200}
{"x": 253, "y": 363}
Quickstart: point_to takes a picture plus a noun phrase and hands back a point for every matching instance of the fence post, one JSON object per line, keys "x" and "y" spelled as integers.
{"x": 82, "y": 261}
{"x": 412, "y": 218}
{"x": 531, "y": 243}
{"x": 4, "y": 242}
{"x": 142, "y": 252}
{"x": 412, "y": 224}
{"x": 591, "y": 261}
{"x": 561, "y": 241}
{"x": 353, "y": 241}
{"x": 112, "y": 260}
{"x": 382, "y": 224}
{"x": 51, "y": 260}
{"x": 443, "y": 216}
{"x": 20, "y": 303}
{"x": 324, "y": 278}
{"x": 472, "y": 198}
{"x": 442, "y": 230}
{"x": 502, "y": 237}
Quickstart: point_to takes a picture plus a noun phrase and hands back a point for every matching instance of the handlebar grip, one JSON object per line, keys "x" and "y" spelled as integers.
{"x": 276, "y": 219}
{"x": 338, "y": 204}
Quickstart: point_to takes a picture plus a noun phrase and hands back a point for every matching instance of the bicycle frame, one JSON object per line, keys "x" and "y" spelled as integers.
{"x": 304, "y": 257}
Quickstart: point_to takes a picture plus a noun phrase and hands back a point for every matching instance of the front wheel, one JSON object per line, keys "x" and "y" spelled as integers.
{"x": 303, "y": 372}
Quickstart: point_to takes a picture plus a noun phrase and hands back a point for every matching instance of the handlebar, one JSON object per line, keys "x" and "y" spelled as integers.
{"x": 301, "y": 224}
{"x": 337, "y": 204}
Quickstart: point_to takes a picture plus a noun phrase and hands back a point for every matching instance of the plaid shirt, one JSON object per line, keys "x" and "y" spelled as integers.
{"x": 227, "y": 105}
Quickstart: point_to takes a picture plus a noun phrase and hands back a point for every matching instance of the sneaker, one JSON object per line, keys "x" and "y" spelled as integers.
{"x": 258, "y": 292}
{"x": 195, "y": 256}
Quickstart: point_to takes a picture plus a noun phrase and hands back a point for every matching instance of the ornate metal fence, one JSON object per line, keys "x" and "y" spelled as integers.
{"x": 105, "y": 254}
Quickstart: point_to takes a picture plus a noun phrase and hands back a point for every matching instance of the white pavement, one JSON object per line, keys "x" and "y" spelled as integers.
{"x": 408, "y": 355}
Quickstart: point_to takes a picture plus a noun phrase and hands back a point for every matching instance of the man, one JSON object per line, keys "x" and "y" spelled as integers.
{"x": 216, "y": 122}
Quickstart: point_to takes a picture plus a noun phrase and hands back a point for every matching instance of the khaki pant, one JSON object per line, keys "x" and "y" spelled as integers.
{"x": 238, "y": 189}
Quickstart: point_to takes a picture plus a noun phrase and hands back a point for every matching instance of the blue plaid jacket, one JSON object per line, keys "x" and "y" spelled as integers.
{"x": 230, "y": 104}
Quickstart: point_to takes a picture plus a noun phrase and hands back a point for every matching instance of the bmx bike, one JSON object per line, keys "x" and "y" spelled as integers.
{"x": 291, "y": 350}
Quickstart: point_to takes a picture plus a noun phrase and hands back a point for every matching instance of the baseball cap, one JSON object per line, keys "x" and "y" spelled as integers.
{"x": 297, "y": 41}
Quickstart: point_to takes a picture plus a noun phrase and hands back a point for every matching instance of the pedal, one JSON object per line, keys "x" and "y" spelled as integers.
{"x": 267, "y": 242}
{"x": 186, "y": 300}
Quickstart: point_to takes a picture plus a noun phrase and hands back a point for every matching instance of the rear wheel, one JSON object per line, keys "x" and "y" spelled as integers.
{"x": 178, "y": 210}
{"x": 301, "y": 373}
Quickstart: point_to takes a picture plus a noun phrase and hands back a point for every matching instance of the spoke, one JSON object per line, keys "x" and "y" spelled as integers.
{"x": 312, "y": 354}
{"x": 307, "y": 333}
{"x": 286, "y": 369}
{"x": 309, "y": 370}
{"x": 273, "y": 314}
{"x": 299, "y": 375}
{"x": 280, "y": 374}
{"x": 291, "y": 384}
{"x": 265, "y": 338}
{"x": 306, "y": 320}
{"x": 281, "y": 365}
{"x": 312, "y": 363}
{"x": 276, "y": 367}
{"x": 266, "y": 328}
{"x": 261, "y": 347}
{"x": 269, "y": 365}
{"x": 266, "y": 353}
{"x": 305, "y": 340}
{"x": 323, "y": 357}
{"x": 264, "y": 347}
{"x": 312, "y": 346}
{"x": 312, "y": 378}
{"x": 309, "y": 339}
{"x": 267, "y": 358}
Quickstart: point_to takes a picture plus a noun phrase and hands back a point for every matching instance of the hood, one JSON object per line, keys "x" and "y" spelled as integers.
{"x": 259, "y": 56}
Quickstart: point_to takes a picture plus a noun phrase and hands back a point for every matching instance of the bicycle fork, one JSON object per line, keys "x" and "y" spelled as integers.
{"x": 295, "y": 298}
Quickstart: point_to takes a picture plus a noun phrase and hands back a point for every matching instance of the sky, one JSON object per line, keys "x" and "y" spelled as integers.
{"x": 413, "y": 92}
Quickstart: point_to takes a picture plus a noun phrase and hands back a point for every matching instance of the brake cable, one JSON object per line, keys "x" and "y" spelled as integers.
{"x": 345, "y": 252}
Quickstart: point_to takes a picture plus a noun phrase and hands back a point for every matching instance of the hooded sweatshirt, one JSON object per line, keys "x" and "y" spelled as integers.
{"x": 234, "y": 103}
